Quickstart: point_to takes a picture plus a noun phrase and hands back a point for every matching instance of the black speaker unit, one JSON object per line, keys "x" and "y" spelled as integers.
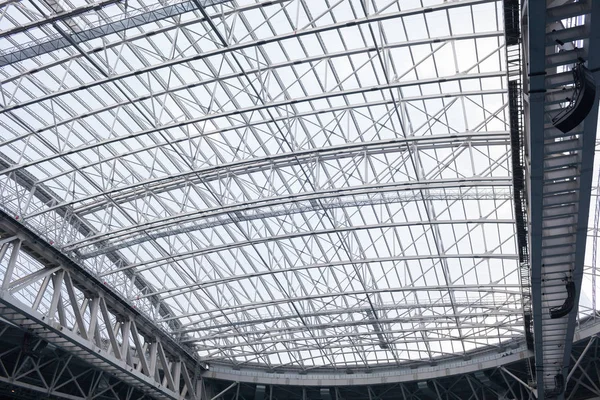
{"x": 567, "y": 306}
{"x": 581, "y": 103}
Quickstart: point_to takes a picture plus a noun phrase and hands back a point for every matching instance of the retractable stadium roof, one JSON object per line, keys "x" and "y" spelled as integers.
{"x": 289, "y": 183}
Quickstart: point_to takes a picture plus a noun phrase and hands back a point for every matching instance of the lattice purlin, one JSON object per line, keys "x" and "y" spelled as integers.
{"x": 55, "y": 307}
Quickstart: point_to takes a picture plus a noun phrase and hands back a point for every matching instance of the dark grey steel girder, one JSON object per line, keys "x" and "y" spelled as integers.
{"x": 589, "y": 137}
{"x": 559, "y": 184}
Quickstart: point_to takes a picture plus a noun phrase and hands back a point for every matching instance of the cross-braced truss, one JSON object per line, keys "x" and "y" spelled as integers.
{"x": 290, "y": 183}
{"x": 31, "y": 367}
{"x": 60, "y": 305}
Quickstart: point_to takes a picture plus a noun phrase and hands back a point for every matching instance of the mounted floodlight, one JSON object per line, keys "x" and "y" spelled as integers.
{"x": 567, "y": 306}
{"x": 581, "y": 103}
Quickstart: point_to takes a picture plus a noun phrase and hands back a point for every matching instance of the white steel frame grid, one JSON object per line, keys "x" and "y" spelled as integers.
{"x": 276, "y": 183}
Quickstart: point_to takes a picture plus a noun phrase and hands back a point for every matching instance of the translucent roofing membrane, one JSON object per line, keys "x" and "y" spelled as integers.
{"x": 286, "y": 183}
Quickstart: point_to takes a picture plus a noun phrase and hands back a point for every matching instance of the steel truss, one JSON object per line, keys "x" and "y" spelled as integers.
{"x": 96, "y": 202}
{"x": 50, "y": 44}
{"x": 558, "y": 183}
{"x": 31, "y": 367}
{"x": 37, "y": 48}
{"x": 60, "y": 16}
{"x": 269, "y": 203}
{"x": 500, "y": 382}
{"x": 43, "y": 194}
{"x": 65, "y": 306}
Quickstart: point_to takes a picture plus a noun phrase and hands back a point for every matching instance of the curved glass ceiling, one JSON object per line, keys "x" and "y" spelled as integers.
{"x": 284, "y": 183}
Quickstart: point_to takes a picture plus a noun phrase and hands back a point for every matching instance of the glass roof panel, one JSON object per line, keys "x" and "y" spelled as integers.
{"x": 284, "y": 183}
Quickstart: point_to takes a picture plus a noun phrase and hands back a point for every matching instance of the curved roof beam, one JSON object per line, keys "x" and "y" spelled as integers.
{"x": 505, "y": 289}
{"x": 303, "y": 196}
{"x": 280, "y": 118}
{"x": 341, "y": 348}
{"x": 158, "y": 262}
{"x": 508, "y": 305}
{"x": 301, "y": 32}
{"x": 191, "y": 287}
{"x": 403, "y": 319}
{"x": 137, "y": 236}
{"x": 225, "y": 77}
{"x": 410, "y": 337}
{"x": 166, "y": 293}
{"x": 167, "y": 182}
{"x": 432, "y": 306}
{"x": 230, "y": 113}
{"x": 269, "y": 340}
{"x": 434, "y": 319}
{"x": 431, "y": 356}
{"x": 256, "y": 164}
{"x": 175, "y": 231}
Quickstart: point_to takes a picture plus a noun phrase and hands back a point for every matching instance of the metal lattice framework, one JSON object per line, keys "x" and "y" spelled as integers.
{"x": 557, "y": 36}
{"x": 297, "y": 184}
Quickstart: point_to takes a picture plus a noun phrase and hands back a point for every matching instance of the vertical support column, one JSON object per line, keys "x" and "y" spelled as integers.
{"x": 153, "y": 355}
{"x": 75, "y": 307}
{"x": 94, "y": 318}
{"x": 125, "y": 330}
{"x": 109, "y": 329}
{"x": 57, "y": 280}
{"x": 4, "y": 247}
{"x": 11, "y": 263}
{"x": 176, "y": 374}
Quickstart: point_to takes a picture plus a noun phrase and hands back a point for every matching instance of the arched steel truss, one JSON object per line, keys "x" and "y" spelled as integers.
{"x": 276, "y": 183}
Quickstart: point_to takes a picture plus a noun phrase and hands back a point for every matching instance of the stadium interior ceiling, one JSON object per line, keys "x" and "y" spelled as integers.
{"x": 299, "y": 199}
